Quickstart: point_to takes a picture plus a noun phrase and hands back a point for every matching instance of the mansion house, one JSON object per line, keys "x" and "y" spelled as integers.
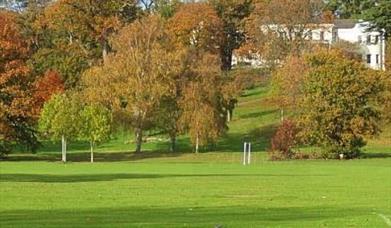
{"x": 372, "y": 43}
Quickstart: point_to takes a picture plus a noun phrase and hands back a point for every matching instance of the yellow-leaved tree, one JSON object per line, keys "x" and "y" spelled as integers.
{"x": 137, "y": 76}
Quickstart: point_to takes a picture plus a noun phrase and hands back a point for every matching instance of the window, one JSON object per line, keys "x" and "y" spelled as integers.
{"x": 375, "y": 39}
{"x": 377, "y": 59}
{"x": 309, "y": 34}
{"x": 369, "y": 59}
{"x": 335, "y": 36}
{"x": 359, "y": 39}
{"x": 322, "y": 35}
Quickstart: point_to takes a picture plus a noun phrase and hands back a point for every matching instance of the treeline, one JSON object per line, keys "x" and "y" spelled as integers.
{"x": 78, "y": 69}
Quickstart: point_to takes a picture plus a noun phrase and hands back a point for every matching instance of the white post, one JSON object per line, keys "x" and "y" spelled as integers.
{"x": 244, "y": 153}
{"x": 64, "y": 149}
{"x": 249, "y": 154}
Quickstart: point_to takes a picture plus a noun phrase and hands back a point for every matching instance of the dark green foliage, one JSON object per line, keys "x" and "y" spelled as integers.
{"x": 380, "y": 16}
{"x": 350, "y": 8}
{"x": 70, "y": 62}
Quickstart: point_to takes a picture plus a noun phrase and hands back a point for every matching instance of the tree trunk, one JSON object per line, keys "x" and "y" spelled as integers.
{"x": 228, "y": 116}
{"x": 105, "y": 51}
{"x": 226, "y": 59}
{"x": 139, "y": 139}
{"x": 197, "y": 144}
{"x": 173, "y": 143}
{"x": 92, "y": 151}
{"x": 64, "y": 149}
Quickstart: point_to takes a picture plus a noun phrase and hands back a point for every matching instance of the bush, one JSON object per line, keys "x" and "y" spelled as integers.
{"x": 4, "y": 149}
{"x": 283, "y": 141}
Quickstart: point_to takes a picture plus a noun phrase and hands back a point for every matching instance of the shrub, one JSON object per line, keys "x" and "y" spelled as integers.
{"x": 283, "y": 141}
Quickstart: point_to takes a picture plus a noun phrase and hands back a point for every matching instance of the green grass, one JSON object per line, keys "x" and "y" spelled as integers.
{"x": 194, "y": 191}
{"x": 160, "y": 189}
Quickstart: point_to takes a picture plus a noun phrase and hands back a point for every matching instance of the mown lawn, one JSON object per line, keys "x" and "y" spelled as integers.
{"x": 197, "y": 191}
{"x": 211, "y": 189}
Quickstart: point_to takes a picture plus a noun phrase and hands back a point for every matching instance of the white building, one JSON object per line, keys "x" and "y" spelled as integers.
{"x": 372, "y": 43}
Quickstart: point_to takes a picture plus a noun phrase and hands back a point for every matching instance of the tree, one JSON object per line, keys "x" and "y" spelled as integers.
{"x": 16, "y": 116}
{"x": 272, "y": 35}
{"x": 44, "y": 88}
{"x": 96, "y": 125}
{"x": 198, "y": 25}
{"x": 380, "y": 16}
{"x": 286, "y": 83}
{"x": 166, "y": 8}
{"x": 89, "y": 21}
{"x": 60, "y": 119}
{"x": 232, "y": 14}
{"x": 136, "y": 77}
{"x": 202, "y": 113}
{"x": 69, "y": 36}
{"x": 339, "y": 107}
{"x": 349, "y": 8}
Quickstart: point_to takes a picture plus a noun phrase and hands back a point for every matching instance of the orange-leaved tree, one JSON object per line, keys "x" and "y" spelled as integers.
{"x": 15, "y": 102}
{"x": 45, "y": 87}
{"x": 198, "y": 25}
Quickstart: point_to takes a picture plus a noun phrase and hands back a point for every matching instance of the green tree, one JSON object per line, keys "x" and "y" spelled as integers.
{"x": 166, "y": 8}
{"x": 350, "y": 8}
{"x": 380, "y": 16}
{"x": 60, "y": 119}
{"x": 340, "y": 103}
{"x": 96, "y": 125}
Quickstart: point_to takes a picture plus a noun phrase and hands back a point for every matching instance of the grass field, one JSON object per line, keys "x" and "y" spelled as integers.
{"x": 160, "y": 189}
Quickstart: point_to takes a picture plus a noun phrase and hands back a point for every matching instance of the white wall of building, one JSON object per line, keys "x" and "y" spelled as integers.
{"x": 372, "y": 43}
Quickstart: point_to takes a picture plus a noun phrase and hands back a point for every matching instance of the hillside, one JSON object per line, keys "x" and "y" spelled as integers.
{"x": 254, "y": 120}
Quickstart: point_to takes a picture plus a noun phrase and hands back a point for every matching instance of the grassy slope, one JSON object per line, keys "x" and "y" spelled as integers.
{"x": 179, "y": 190}
{"x": 254, "y": 120}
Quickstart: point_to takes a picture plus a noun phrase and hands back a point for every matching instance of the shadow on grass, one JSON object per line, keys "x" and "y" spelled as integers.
{"x": 85, "y": 157}
{"x": 48, "y": 178}
{"x": 259, "y": 138}
{"x": 236, "y": 216}
{"x": 257, "y": 114}
{"x": 375, "y": 155}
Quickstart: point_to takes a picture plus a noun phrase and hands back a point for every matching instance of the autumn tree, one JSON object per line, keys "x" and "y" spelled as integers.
{"x": 202, "y": 113}
{"x": 197, "y": 25}
{"x": 286, "y": 83}
{"x": 137, "y": 76}
{"x": 44, "y": 88}
{"x": 232, "y": 14}
{"x": 340, "y": 104}
{"x": 16, "y": 117}
{"x": 69, "y": 36}
{"x": 272, "y": 35}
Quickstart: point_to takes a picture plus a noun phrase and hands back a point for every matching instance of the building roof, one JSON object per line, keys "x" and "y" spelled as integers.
{"x": 345, "y": 23}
